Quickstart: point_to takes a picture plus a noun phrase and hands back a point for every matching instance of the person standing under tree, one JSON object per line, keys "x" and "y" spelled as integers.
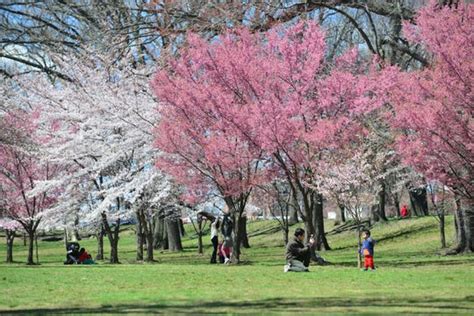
{"x": 367, "y": 250}
{"x": 214, "y": 239}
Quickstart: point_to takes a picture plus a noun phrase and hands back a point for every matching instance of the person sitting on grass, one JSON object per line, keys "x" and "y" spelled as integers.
{"x": 298, "y": 255}
{"x": 367, "y": 250}
{"x": 84, "y": 257}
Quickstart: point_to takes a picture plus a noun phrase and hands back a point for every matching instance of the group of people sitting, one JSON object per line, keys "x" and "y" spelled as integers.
{"x": 77, "y": 255}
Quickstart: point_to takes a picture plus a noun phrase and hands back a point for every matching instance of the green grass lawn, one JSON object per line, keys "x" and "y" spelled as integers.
{"x": 411, "y": 278}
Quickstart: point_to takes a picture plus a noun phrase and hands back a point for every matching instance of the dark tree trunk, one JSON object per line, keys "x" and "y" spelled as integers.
{"x": 149, "y": 247}
{"x": 374, "y": 214}
{"x": 285, "y": 235}
{"x": 419, "y": 201}
{"x": 464, "y": 221}
{"x": 359, "y": 244}
{"x": 395, "y": 24}
{"x": 10, "y": 236}
{"x": 147, "y": 229}
{"x": 381, "y": 205}
{"x": 308, "y": 218}
{"x": 100, "y": 243}
{"x": 139, "y": 239}
{"x": 396, "y": 202}
{"x": 460, "y": 234}
{"x": 244, "y": 240}
{"x": 31, "y": 241}
{"x": 165, "y": 238}
{"x": 174, "y": 235}
{"x": 342, "y": 212}
{"x": 160, "y": 237}
{"x": 113, "y": 236}
{"x": 293, "y": 213}
{"x": 309, "y": 229}
{"x": 30, "y": 229}
{"x": 77, "y": 236}
{"x": 199, "y": 232}
{"x": 469, "y": 214}
{"x": 237, "y": 235}
{"x": 318, "y": 222}
{"x": 442, "y": 234}
{"x": 182, "y": 231}
{"x": 36, "y": 246}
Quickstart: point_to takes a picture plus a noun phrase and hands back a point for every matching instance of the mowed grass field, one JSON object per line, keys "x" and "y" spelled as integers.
{"x": 412, "y": 278}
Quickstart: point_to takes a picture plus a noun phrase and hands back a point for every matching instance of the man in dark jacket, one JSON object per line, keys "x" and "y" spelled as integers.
{"x": 298, "y": 255}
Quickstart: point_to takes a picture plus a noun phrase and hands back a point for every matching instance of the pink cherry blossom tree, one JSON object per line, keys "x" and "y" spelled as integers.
{"x": 433, "y": 107}
{"x": 22, "y": 170}
{"x": 201, "y": 150}
{"x": 272, "y": 94}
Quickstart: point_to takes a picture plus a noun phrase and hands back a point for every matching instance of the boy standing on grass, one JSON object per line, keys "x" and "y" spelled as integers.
{"x": 367, "y": 250}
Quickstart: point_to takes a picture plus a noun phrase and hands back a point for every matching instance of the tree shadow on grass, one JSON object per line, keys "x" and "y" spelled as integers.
{"x": 410, "y": 263}
{"x": 275, "y": 305}
{"x": 392, "y": 236}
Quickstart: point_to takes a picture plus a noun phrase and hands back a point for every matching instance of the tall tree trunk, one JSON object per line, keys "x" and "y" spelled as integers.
{"x": 159, "y": 232}
{"x": 100, "y": 243}
{"x": 293, "y": 212}
{"x": 442, "y": 234}
{"x": 359, "y": 244}
{"x": 146, "y": 227}
{"x": 31, "y": 241}
{"x": 149, "y": 246}
{"x": 396, "y": 202}
{"x": 30, "y": 228}
{"x": 199, "y": 232}
{"x": 174, "y": 235}
{"x": 308, "y": 218}
{"x": 139, "y": 238}
{"x": 237, "y": 235}
{"x": 113, "y": 236}
{"x": 165, "y": 239}
{"x": 318, "y": 222}
{"x": 77, "y": 236}
{"x": 182, "y": 230}
{"x": 10, "y": 236}
{"x": 381, "y": 205}
{"x": 342, "y": 212}
{"x": 244, "y": 240}
{"x": 285, "y": 235}
{"x": 464, "y": 228}
{"x": 395, "y": 24}
{"x": 36, "y": 247}
{"x": 374, "y": 213}
{"x": 469, "y": 215}
{"x": 419, "y": 201}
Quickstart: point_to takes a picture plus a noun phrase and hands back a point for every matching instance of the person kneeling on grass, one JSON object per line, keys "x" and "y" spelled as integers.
{"x": 298, "y": 255}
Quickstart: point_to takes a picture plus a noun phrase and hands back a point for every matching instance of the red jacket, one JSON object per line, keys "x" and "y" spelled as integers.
{"x": 404, "y": 211}
{"x": 84, "y": 256}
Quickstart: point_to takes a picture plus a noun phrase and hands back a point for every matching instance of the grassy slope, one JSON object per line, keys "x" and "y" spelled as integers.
{"x": 411, "y": 278}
